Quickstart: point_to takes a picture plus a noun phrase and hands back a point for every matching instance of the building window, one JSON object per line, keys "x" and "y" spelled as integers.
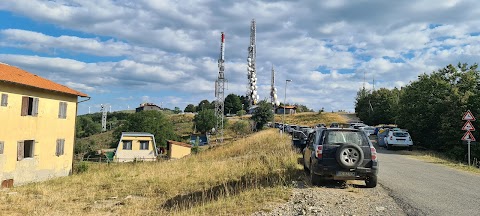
{"x": 144, "y": 145}
{"x": 29, "y": 106}
{"x": 62, "y": 110}
{"x": 25, "y": 149}
{"x": 4, "y": 101}
{"x": 2, "y": 146}
{"x": 60, "y": 147}
{"x": 127, "y": 145}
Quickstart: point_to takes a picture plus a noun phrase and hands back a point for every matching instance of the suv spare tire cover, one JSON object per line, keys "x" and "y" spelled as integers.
{"x": 349, "y": 155}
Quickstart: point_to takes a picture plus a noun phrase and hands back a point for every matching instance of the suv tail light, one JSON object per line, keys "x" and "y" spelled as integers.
{"x": 319, "y": 151}
{"x": 391, "y": 137}
{"x": 373, "y": 151}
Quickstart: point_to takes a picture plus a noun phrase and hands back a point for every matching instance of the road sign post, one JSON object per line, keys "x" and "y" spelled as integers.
{"x": 468, "y": 126}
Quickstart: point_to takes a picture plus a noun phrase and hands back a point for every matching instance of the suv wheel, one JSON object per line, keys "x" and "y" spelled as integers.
{"x": 305, "y": 168}
{"x": 371, "y": 181}
{"x": 349, "y": 156}
{"x": 315, "y": 179}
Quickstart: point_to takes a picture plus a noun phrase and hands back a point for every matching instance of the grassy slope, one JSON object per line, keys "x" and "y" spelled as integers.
{"x": 182, "y": 123}
{"x": 311, "y": 118}
{"x": 102, "y": 140}
{"x": 237, "y": 178}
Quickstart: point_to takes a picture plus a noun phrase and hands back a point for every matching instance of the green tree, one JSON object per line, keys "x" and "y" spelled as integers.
{"x": 205, "y": 120}
{"x": 302, "y": 108}
{"x": 232, "y": 103}
{"x": 149, "y": 121}
{"x": 86, "y": 127}
{"x": 432, "y": 107}
{"x": 190, "y": 108}
{"x": 245, "y": 102}
{"x": 204, "y": 105}
{"x": 362, "y": 105}
{"x": 177, "y": 110}
{"x": 262, "y": 114}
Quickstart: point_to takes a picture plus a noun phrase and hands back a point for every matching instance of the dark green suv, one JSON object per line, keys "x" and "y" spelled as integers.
{"x": 340, "y": 154}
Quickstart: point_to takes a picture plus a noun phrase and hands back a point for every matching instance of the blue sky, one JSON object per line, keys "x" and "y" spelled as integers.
{"x": 123, "y": 53}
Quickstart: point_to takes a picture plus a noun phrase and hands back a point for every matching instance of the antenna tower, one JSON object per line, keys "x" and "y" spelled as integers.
{"x": 219, "y": 92}
{"x": 104, "y": 117}
{"x": 273, "y": 91}
{"x": 252, "y": 93}
{"x": 373, "y": 82}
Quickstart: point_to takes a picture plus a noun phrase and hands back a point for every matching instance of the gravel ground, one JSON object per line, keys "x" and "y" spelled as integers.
{"x": 336, "y": 199}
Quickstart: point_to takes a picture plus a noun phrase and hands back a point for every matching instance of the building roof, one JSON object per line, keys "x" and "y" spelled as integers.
{"x": 140, "y": 134}
{"x": 179, "y": 143}
{"x": 16, "y": 75}
{"x": 287, "y": 107}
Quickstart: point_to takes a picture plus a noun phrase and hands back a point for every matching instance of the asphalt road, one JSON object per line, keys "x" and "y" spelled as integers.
{"x": 423, "y": 188}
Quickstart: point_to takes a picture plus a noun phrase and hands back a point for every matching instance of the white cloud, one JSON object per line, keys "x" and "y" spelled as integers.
{"x": 171, "y": 47}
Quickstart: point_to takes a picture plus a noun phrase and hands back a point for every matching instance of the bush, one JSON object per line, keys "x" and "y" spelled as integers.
{"x": 241, "y": 113}
{"x": 241, "y": 128}
{"x": 195, "y": 148}
{"x": 80, "y": 167}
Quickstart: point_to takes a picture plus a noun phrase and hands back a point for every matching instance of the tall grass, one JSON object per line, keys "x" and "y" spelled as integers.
{"x": 311, "y": 118}
{"x": 237, "y": 178}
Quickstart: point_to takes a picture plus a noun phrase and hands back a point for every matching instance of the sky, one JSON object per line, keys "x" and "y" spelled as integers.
{"x": 123, "y": 53}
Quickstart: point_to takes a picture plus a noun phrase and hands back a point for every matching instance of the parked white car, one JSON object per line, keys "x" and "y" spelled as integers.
{"x": 368, "y": 130}
{"x": 398, "y": 138}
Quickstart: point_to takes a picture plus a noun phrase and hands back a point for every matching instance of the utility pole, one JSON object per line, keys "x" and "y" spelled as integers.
{"x": 285, "y": 104}
{"x": 103, "y": 109}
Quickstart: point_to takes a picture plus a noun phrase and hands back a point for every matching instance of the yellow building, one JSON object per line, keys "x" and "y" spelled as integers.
{"x": 178, "y": 149}
{"x": 136, "y": 146}
{"x": 37, "y": 127}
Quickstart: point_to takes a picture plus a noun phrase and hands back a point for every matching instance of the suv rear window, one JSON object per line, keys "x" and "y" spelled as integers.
{"x": 398, "y": 134}
{"x": 353, "y": 137}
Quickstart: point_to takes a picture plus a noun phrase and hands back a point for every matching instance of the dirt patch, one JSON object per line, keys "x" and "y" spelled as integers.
{"x": 336, "y": 198}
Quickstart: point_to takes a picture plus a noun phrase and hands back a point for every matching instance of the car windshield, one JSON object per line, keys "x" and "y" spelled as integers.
{"x": 398, "y": 134}
{"x": 354, "y": 137}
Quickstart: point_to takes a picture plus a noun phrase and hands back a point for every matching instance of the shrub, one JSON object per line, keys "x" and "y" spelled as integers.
{"x": 241, "y": 128}
{"x": 81, "y": 167}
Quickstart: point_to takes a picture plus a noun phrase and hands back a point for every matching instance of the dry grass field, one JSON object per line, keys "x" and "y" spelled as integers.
{"x": 234, "y": 179}
{"x": 311, "y": 118}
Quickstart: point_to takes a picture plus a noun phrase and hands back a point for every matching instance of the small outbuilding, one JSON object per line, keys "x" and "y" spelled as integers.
{"x": 147, "y": 106}
{"x": 136, "y": 146}
{"x": 178, "y": 150}
{"x": 287, "y": 109}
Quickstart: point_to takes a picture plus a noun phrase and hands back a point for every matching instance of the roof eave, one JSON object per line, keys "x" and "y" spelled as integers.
{"x": 80, "y": 94}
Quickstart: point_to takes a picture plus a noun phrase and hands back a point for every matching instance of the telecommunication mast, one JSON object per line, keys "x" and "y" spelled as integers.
{"x": 219, "y": 92}
{"x": 252, "y": 93}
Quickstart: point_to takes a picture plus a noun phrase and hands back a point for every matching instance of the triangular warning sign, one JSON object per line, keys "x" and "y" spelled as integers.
{"x": 468, "y": 116}
{"x": 468, "y": 126}
{"x": 468, "y": 136}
